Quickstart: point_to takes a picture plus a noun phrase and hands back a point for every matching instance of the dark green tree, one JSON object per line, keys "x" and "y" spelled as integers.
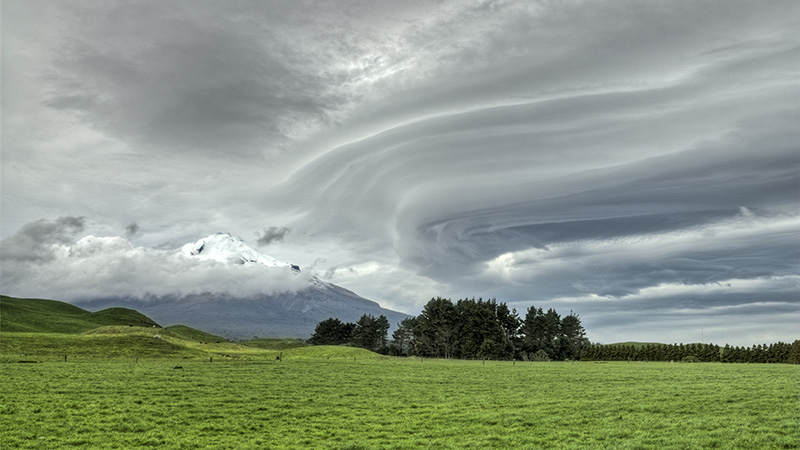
{"x": 437, "y": 328}
{"x": 531, "y": 331}
{"x": 403, "y": 337}
{"x": 371, "y": 332}
{"x": 332, "y": 331}
{"x": 510, "y": 323}
{"x": 793, "y": 356}
{"x": 541, "y": 331}
{"x": 572, "y": 337}
{"x": 482, "y": 335}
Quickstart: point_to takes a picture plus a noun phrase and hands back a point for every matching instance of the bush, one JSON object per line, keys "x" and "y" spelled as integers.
{"x": 540, "y": 355}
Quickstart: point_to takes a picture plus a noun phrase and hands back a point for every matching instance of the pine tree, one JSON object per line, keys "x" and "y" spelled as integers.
{"x": 403, "y": 337}
{"x": 370, "y": 332}
{"x": 436, "y": 330}
{"x": 332, "y": 332}
{"x": 572, "y": 337}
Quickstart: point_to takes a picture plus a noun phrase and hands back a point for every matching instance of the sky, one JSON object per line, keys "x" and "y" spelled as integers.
{"x": 637, "y": 163}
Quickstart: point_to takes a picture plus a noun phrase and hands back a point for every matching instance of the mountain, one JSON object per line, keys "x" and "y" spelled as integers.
{"x": 227, "y": 248}
{"x": 288, "y": 314}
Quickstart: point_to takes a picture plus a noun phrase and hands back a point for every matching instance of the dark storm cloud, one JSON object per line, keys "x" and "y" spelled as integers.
{"x": 720, "y": 313}
{"x": 272, "y": 234}
{"x": 173, "y": 77}
{"x": 131, "y": 230}
{"x": 609, "y": 155}
{"x": 671, "y": 165}
{"x": 675, "y": 192}
{"x": 34, "y": 241}
{"x": 449, "y": 213}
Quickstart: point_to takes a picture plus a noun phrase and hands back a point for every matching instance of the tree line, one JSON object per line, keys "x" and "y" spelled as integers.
{"x": 488, "y": 329}
{"x": 368, "y": 332}
{"x": 779, "y": 352}
{"x": 465, "y": 329}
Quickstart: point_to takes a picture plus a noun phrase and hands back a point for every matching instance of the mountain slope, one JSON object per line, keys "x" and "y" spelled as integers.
{"x": 227, "y": 248}
{"x": 287, "y": 314}
{"x": 291, "y": 314}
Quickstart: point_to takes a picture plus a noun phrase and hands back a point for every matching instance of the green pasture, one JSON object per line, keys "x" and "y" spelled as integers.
{"x": 129, "y": 344}
{"x": 52, "y": 316}
{"x": 70, "y": 378}
{"x": 319, "y": 398}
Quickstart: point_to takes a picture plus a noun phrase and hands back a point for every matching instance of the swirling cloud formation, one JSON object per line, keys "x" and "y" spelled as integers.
{"x": 638, "y": 162}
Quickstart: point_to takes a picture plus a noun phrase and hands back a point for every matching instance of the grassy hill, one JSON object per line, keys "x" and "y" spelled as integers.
{"x": 49, "y": 328}
{"x": 136, "y": 343}
{"x": 41, "y": 330}
{"x": 51, "y": 316}
{"x": 275, "y": 343}
{"x": 122, "y": 316}
{"x": 192, "y": 334}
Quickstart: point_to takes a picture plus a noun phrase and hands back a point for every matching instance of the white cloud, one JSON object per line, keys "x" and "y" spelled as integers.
{"x": 106, "y": 267}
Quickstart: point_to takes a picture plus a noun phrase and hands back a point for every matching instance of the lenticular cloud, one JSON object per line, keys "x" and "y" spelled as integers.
{"x": 98, "y": 267}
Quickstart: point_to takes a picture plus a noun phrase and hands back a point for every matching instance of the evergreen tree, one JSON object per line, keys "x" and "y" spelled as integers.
{"x": 532, "y": 331}
{"x": 437, "y": 328}
{"x": 482, "y": 334}
{"x": 371, "y": 332}
{"x": 572, "y": 337}
{"x": 793, "y": 356}
{"x": 332, "y": 332}
{"x": 403, "y": 337}
{"x": 382, "y": 325}
{"x": 551, "y": 323}
{"x": 510, "y": 323}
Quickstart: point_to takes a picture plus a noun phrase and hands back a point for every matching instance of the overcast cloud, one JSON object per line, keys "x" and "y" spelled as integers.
{"x": 272, "y": 234}
{"x": 635, "y": 162}
{"x": 104, "y": 267}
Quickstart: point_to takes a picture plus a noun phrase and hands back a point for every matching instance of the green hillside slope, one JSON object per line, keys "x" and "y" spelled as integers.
{"x": 45, "y": 330}
{"x": 122, "y": 316}
{"x": 51, "y": 316}
{"x": 47, "y": 346}
{"x": 275, "y": 343}
{"x": 191, "y": 334}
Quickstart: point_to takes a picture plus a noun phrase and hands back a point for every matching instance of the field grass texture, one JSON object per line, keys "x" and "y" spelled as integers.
{"x": 317, "y": 401}
{"x": 129, "y": 344}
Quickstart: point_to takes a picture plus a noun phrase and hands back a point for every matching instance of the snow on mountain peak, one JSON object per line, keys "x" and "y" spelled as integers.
{"x": 227, "y": 248}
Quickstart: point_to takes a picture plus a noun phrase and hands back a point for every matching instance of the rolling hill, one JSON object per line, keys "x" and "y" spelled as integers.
{"x": 51, "y": 316}
{"x": 33, "y": 330}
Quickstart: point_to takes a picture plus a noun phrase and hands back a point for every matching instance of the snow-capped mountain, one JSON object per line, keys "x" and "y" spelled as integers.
{"x": 293, "y": 313}
{"x": 225, "y": 247}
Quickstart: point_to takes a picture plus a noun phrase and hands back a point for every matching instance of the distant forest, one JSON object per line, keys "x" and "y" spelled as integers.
{"x": 779, "y": 352}
{"x": 488, "y": 329}
{"x": 466, "y": 329}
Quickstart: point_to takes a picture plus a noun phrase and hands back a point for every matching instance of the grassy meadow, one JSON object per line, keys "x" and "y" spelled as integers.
{"x": 115, "y": 379}
{"x": 347, "y": 401}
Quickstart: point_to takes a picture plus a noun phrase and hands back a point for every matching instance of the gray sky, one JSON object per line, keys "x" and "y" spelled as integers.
{"x": 636, "y": 162}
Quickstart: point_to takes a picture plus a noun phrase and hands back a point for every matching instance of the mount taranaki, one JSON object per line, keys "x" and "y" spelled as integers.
{"x": 284, "y": 314}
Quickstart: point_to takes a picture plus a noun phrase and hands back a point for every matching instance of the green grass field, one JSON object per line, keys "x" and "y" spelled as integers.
{"x": 311, "y": 401}
{"x": 129, "y": 344}
{"x": 113, "y": 379}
